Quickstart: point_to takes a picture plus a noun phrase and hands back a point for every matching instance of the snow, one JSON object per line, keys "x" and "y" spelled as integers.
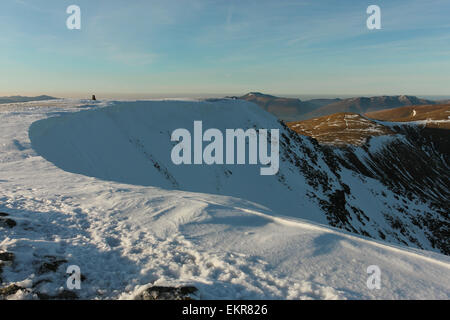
{"x": 79, "y": 189}
{"x": 376, "y": 143}
{"x": 142, "y": 131}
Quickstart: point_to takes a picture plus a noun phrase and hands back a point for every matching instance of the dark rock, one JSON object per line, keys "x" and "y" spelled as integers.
{"x": 188, "y": 290}
{"x": 9, "y": 290}
{"x": 51, "y": 265}
{"x": 3, "y": 214}
{"x": 168, "y": 293}
{"x": 37, "y": 283}
{"x": 43, "y": 296}
{"x": 7, "y": 256}
{"x": 9, "y": 223}
{"x": 64, "y": 295}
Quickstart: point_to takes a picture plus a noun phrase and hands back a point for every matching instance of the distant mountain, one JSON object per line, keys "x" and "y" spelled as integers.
{"x": 323, "y": 102}
{"x": 364, "y": 104}
{"x": 288, "y": 109}
{"x": 14, "y": 99}
{"x": 292, "y": 109}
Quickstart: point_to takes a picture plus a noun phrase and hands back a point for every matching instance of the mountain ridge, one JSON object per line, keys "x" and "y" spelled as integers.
{"x": 293, "y": 109}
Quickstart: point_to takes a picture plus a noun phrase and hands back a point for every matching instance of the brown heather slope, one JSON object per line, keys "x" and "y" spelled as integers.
{"x": 345, "y": 128}
{"x": 437, "y": 116}
{"x": 340, "y": 129}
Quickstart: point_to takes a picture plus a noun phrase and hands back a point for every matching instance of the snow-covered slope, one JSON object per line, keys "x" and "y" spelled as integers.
{"x": 96, "y": 188}
{"x": 130, "y": 143}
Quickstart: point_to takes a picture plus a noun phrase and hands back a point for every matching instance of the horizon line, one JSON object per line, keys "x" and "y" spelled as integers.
{"x": 107, "y": 95}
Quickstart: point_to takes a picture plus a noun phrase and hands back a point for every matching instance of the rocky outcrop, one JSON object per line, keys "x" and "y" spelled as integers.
{"x": 168, "y": 293}
{"x": 6, "y": 222}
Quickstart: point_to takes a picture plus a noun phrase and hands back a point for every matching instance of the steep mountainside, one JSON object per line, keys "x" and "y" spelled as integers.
{"x": 410, "y": 155}
{"x": 415, "y": 164}
{"x": 378, "y": 191}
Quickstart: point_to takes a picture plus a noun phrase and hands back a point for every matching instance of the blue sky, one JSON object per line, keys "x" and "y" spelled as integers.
{"x": 304, "y": 47}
